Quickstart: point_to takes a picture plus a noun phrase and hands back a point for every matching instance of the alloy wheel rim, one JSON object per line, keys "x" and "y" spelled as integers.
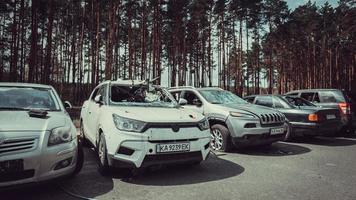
{"x": 102, "y": 153}
{"x": 216, "y": 142}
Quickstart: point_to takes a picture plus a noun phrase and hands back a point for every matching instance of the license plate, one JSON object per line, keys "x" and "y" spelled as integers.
{"x": 330, "y": 117}
{"x": 11, "y": 166}
{"x": 174, "y": 147}
{"x": 275, "y": 131}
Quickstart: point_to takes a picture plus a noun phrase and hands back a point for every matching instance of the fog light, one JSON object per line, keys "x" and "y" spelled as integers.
{"x": 125, "y": 151}
{"x": 64, "y": 163}
{"x": 207, "y": 146}
{"x": 250, "y": 125}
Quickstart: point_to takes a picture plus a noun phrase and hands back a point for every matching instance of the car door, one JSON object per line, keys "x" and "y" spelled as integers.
{"x": 264, "y": 101}
{"x": 94, "y": 113}
{"x": 193, "y": 101}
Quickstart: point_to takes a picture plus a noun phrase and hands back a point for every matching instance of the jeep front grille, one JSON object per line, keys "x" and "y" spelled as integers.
{"x": 273, "y": 118}
{"x": 17, "y": 145}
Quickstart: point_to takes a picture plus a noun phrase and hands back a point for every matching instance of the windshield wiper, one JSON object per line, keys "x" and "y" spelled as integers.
{"x": 216, "y": 102}
{"x": 12, "y": 108}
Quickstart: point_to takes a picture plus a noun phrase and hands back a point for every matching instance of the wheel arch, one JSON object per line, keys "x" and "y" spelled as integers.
{"x": 213, "y": 121}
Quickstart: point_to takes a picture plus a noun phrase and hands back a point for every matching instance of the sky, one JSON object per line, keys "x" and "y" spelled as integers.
{"x": 292, "y": 4}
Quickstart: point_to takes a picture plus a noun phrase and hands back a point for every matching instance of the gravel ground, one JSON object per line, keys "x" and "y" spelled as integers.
{"x": 319, "y": 168}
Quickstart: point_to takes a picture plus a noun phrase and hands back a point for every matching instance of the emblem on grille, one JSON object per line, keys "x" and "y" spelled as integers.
{"x": 175, "y": 128}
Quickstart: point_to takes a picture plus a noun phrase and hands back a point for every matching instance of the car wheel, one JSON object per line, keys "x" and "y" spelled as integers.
{"x": 102, "y": 156}
{"x": 83, "y": 140}
{"x": 220, "y": 138}
{"x": 80, "y": 159}
{"x": 289, "y": 136}
{"x": 310, "y": 137}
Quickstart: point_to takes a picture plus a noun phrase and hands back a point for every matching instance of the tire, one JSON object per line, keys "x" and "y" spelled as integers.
{"x": 289, "y": 137}
{"x": 196, "y": 163}
{"x": 80, "y": 159}
{"x": 310, "y": 137}
{"x": 267, "y": 145}
{"x": 103, "y": 163}
{"x": 220, "y": 138}
{"x": 82, "y": 138}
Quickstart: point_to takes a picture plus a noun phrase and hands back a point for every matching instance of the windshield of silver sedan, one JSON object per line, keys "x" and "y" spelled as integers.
{"x": 141, "y": 95}
{"x": 27, "y": 98}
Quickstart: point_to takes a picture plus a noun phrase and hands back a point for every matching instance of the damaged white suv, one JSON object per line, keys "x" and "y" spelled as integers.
{"x": 133, "y": 124}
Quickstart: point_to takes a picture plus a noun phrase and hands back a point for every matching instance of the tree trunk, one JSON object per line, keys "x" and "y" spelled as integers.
{"x": 34, "y": 34}
{"x": 47, "y": 65}
{"x": 110, "y": 39}
{"x": 14, "y": 46}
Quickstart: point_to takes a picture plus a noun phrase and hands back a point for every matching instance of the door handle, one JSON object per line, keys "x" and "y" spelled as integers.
{"x": 89, "y": 112}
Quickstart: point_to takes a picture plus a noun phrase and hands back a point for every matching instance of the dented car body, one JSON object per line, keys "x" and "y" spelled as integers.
{"x": 133, "y": 124}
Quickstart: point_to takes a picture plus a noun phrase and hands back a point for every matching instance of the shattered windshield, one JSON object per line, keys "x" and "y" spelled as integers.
{"x": 221, "y": 97}
{"x": 26, "y": 98}
{"x": 141, "y": 95}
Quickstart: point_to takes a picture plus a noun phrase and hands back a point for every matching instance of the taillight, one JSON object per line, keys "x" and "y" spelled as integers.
{"x": 313, "y": 117}
{"x": 345, "y": 108}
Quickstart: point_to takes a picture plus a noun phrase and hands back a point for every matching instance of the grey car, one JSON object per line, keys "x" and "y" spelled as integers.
{"x": 332, "y": 98}
{"x": 38, "y": 141}
{"x": 233, "y": 121}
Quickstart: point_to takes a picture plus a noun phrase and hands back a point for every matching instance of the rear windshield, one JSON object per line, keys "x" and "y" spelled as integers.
{"x": 296, "y": 101}
{"x": 332, "y": 97}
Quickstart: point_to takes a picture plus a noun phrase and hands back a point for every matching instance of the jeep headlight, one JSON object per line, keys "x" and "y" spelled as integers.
{"x": 125, "y": 124}
{"x": 60, "y": 135}
{"x": 242, "y": 115}
{"x": 204, "y": 125}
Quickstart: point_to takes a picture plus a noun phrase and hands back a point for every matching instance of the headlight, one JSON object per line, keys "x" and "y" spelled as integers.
{"x": 204, "y": 124}
{"x": 126, "y": 124}
{"x": 244, "y": 115}
{"x": 60, "y": 135}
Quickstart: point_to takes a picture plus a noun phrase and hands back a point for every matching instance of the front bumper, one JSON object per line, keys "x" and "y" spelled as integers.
{"x": 256, "y": 140}
{"x": 39, "y": 164}
{"x": 316, "y": 129}
{"x": 242, "y": 135}
{"x": 143, "y": 146}
{"x": 350, "y": 122}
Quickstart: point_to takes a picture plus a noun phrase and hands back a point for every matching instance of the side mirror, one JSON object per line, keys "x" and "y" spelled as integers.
{"x": 98, "y": 99}
{"x": 67, "y": 105}
{"x": 182, "y": 102}
{"x": 197, "y": 102}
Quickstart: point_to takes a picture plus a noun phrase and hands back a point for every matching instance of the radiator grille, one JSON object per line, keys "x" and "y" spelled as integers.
{"x": 8, "y": 146}
{"x": 273, "y": 118}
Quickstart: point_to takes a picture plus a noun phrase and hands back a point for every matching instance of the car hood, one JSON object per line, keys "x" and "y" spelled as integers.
{"x": 161, "y": 115}
{"x": 21, "y": 121}
{"x": 250, "y": 108}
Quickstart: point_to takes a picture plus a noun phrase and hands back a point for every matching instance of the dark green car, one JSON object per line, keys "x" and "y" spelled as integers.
{"x": 305, "y": 118}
